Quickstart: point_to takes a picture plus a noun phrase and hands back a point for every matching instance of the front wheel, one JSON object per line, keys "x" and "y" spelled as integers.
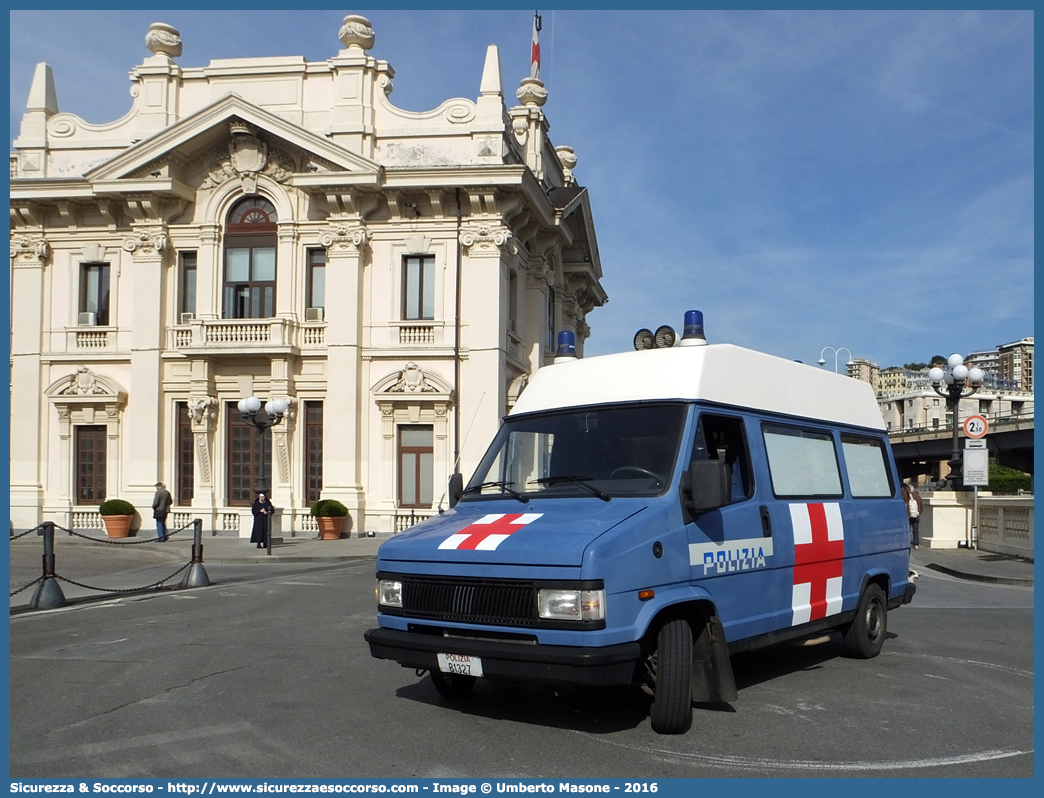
{"x": 866, "y": 634}
{"x": 671, "y": 711}
{"x": 452, "y": 685}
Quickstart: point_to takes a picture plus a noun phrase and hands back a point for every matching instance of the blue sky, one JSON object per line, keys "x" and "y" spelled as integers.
{"x": 807, "y": 179}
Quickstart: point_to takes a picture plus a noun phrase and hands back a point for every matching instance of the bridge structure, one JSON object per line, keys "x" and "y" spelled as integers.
{"x": 925, "y": 450}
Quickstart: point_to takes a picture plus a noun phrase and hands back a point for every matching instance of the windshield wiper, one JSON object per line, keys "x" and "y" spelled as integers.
{"x": 581, "y": 481}
{"x": 502, "y": 485}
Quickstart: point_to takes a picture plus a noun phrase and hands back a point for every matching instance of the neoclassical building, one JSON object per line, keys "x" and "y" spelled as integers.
{"x": 278, "y": 228}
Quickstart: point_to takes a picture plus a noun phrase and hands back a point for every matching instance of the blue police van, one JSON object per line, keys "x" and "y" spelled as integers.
{"x": 640, "y": 517}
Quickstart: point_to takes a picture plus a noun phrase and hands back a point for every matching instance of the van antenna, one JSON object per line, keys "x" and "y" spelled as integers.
{"x": 466, "y": 434}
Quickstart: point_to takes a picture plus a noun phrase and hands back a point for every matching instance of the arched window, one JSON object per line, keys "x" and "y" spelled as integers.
{"x": 250, "y": 260}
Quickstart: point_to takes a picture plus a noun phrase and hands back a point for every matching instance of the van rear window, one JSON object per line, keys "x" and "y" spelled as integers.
{"x": 868, "y": 475}
{"x": 802, "y": 462}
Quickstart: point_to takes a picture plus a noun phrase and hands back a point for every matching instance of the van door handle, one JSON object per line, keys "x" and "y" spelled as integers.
{"x": 766, "y": 522}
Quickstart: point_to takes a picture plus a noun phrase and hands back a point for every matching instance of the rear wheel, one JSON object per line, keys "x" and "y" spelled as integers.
{"x": 866, "y": 634}
{"x": 671, "y": 711}
{"x": 452, "y": 685}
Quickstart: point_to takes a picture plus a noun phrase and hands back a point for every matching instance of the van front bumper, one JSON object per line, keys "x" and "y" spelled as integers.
{"x": 514, "y": 662}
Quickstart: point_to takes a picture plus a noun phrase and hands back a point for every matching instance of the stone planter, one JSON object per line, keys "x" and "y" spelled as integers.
{"x": 330, "y": 528}
{"x": 117, "y": 526}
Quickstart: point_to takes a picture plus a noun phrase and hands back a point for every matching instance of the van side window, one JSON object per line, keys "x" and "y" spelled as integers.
{"x": 802, "y": 463}
{"x": 865, "y": 463}
{"x": 722, "y": 438}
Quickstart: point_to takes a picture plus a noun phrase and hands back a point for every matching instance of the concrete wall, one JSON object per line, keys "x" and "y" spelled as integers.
{"x": 1005, "y": 522}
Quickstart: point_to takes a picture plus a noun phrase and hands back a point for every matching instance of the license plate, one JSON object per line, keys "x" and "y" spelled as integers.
{"x": 463, "y": 664}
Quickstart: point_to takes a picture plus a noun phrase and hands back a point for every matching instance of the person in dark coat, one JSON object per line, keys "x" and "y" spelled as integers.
{"x": 262, "y": 509}
{"x": 161, "y": 503}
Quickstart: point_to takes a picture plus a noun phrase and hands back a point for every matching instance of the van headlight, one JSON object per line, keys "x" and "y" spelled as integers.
{"x": 558, "y": 604}
{"x": 389, "y": 593}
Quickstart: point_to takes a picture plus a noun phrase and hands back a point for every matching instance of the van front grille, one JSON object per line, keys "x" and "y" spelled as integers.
{"x": 499, "y": 602}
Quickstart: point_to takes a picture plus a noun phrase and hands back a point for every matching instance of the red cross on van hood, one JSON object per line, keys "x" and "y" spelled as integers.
{"x": 549, "y": 532}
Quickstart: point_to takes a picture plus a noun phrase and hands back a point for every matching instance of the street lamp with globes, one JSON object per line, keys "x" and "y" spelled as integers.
{"x": 822, "y": 361}
{"x": 272, "y": 414}
{"x": 952, "y": 384}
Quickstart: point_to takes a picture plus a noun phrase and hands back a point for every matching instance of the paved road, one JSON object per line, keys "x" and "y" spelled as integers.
{"x": 266, "y": 673}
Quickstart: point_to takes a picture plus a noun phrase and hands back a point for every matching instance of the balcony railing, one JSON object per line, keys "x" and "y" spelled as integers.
{"x": 404, "y": 519}
{"x": 239, "y": 334}
{"x": 413, "y": 334}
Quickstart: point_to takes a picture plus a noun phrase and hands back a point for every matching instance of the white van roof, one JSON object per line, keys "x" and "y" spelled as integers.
{"x": 721, "y": 373}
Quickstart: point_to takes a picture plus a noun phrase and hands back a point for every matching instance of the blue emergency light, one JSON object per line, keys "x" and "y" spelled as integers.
{"x": 566, "y": 345}
{"x": 693, "y": 333}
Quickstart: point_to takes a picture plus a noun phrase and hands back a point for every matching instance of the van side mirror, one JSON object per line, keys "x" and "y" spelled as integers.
{"x": 456, "y": 488}
{"x": 710, "y": 483}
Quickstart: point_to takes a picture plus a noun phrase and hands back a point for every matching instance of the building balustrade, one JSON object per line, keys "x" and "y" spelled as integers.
{"x": 413, "y": 334}
{"x": 248, "y": 334}
{"x": 404, "y": 519}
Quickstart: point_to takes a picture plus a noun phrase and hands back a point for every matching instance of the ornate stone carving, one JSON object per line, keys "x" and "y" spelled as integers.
{"x": 572, "y": 308}
{"x": 218, "y": 174}
{"x": 29, "y": 249}
{"x": 163, "y": 39}
{"x": 146, "y": 242}
{"x": 540, "y": 273}
{"x": 248, "y": 153}
{"x": 485, "y": 237}
{"x": 356, "y": 32}
{"x": 412, "y": 380}
{"x": 84, "y": 383}
{"x": 203, "y": 455}
{"x": 567, "y": 158}
{"x": 344, "y": 237}
{"x": 202, "y": 410}
{"x": 283, "y": 456}
{"x": 532, "y": 92}
{"x": 520, "y": 127}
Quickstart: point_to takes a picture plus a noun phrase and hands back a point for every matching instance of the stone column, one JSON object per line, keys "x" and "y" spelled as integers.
{"x": 29, "y": 255}
{"x": 209, "y": 273}
{"x": 487, "y": 245}
{"x": 283, "y": 440}
{"x": 343, "y": 407}
{"x": 203, "y": 413}
{"x": 147, "y": 416}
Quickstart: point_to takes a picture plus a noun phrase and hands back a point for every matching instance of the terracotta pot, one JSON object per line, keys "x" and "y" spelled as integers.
{"x": 330, "y": 528}
{"x": 117, "y": 526}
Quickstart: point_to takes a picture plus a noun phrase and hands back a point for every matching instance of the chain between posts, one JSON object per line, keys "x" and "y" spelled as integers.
{"x": 196, "y": 578}
{"x": 119, "y": 542}
{"x": 27, "y": 532}
{"x": 122, "y": 589}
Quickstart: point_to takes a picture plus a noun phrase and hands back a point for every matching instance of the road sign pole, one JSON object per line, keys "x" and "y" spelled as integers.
{"x": 975, "y": 518}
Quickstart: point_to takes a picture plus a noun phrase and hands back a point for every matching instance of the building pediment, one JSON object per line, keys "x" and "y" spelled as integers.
{"x": 412, "y": 383}
{"x": 235, "y": 137}
{"x": 84, "y": 386}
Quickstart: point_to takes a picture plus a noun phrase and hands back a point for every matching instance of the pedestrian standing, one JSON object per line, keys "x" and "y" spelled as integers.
{"x": 914, "y": 507}
{"x": 262, "y": 509}
{"x": 161, "y": 504}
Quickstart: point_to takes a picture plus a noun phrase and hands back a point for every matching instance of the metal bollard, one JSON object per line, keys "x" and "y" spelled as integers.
{"x": 48, "y": 595}
{"x": 197, "y": 574}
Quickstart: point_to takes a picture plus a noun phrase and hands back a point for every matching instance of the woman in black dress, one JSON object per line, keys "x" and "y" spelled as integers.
{"x": 262, "y": 510}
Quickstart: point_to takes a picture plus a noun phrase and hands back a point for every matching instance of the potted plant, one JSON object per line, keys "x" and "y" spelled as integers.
{"x": 330, "y": 515}
{"x": 117, "y": 516}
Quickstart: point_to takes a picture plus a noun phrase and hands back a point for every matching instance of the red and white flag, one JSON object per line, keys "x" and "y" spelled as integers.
{"x": 534, "y": 70}
{"x": 488, "y": 532}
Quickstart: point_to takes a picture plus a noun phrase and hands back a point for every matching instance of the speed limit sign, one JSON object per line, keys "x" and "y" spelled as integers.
{"x": 975, "y": 426}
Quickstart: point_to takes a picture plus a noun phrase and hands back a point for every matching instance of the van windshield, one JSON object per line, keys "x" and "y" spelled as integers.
{"x": 627, "y": 450}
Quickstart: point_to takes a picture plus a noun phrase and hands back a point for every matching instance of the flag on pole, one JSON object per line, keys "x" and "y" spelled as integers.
{"x": 534, "y": 71}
